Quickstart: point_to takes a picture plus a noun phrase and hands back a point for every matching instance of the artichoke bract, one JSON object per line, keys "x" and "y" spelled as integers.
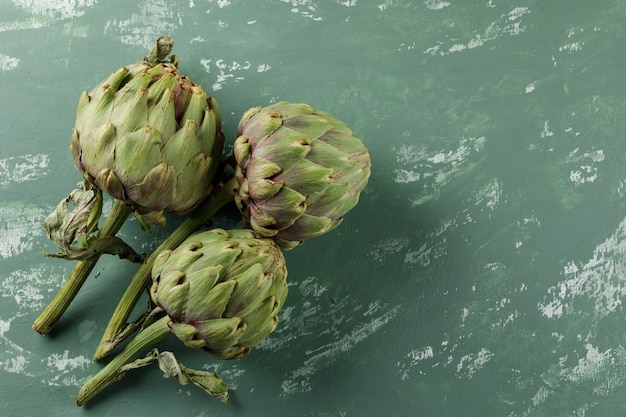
{"x": 222, "y": 290}
{"x": 150, "y": 137}
{"x": 299, "y": 170}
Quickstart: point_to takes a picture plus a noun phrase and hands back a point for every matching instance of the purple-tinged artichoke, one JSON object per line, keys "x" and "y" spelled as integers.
{"x": 300, "y": 170}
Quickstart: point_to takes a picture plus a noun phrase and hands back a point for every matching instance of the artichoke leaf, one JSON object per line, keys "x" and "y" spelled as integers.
{"x": 207, "y": 132}
{"x": 308, "y": 226}
{"x": 336, "y": 201}
{"x": 250, "y": 291}
{"x": 161, "y": 116}
{"x": 77, "y": 227}
{"x": 234, "y": 352}
{"x": 262, "y": 189}
{"x": 129, "y": 111}
{"x": 326, "y": 155}
{"x": 161, "y": 86}
{"x": 285, "y": 148}
{"x": 222, "y": 333}
{"x": 107, "y": 181}
{"x": 110, "y": 245}
{"x": 210, "y": 382}
{"x": 308, "y": 178}
{"x": 288, "y": 109}
{"x": 224, "y": 257}
{"x": 188, "y": 335}
{"x": 286, "y": 206}
{"x": 310, "y": 125}
{"x": 115, "y": 80}
{"x": 197, "y": 105}
{"x": 188, "y": 253}
{"x": 135, "y": 151}
{"x": 344, "y": 142}
{"x": 95, "y": 107}
{"x": 241, "y": 150}
{"x": 182, "y": 146}
{"x": 262, "y": 125}
{"x": 173, "y": 293}
{"x": 208, "y": 300}
{"x": 160, "y": 262}
{"x": 261, "y": 322}
{"x": 65, "y": 227}
{"x": 154, "y": 191}
{"x": 216, "y": 111}
{"x": 146, "y": 218}
{"x": 97, "y": 147}
{"x": 338, "y": 125}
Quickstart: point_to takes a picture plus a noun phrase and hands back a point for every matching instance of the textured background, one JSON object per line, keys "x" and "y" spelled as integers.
{"x": 482, "y": 273}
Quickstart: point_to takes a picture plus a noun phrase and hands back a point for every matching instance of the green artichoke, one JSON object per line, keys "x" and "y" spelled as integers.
{"x": 300, "y": 170}
{"x": 150, "y": 137}
{"x": 221, "y": 290}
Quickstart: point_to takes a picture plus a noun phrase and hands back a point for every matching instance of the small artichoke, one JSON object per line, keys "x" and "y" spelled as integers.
{"x": 150, "y": 137}
{"x": 222, "y": 290}
{"x": 300, "y": 170}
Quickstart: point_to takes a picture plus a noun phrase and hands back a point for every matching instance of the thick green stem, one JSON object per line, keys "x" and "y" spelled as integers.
{"x": 142, "y": 278}
{"x": 53, "y": 312}
{"x": 113, "y": 371}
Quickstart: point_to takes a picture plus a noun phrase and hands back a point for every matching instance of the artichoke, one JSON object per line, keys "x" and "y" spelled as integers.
{"x": 221, "y": 290}
{"x": 150, "y": 137}
{"x": 299, "y": 170}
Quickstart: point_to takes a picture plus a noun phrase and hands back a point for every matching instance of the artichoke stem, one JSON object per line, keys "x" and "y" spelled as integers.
{"x": 113, "y": 371}
{"x": 160, "y": 51}
{"x": 53, "y": 312}
{"x": 142, "y": 278}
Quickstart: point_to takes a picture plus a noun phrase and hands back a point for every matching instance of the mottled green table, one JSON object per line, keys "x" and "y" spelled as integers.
{"x": 483, "y": 271}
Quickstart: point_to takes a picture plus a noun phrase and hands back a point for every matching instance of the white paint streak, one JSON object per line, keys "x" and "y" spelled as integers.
{"x": 298, "y": 380}
{"x": 305, "y": 8}
{"x": 13, "y": 358}
{"x": 412, "y": 360}
{"x": 230, "y": 71}
{"x": 587, "y": 171}
{"x": 416, "y": 163}
{"x": 436, "y": 4}
{"x": 62, "y": 367}
{"x": 155, "y": 17}
{"x": 490, "y": 195}
{"x": 20, "y": 227}
{"x": 389, "y": 247}
{"x": 600, "y": 281}
{"x": 19, "y": 169}
{"x": 57, "y": 9}
{"x": 508, "y": 24}
{"x": 8, "y": 63}
{"x": 469, "y": 364}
